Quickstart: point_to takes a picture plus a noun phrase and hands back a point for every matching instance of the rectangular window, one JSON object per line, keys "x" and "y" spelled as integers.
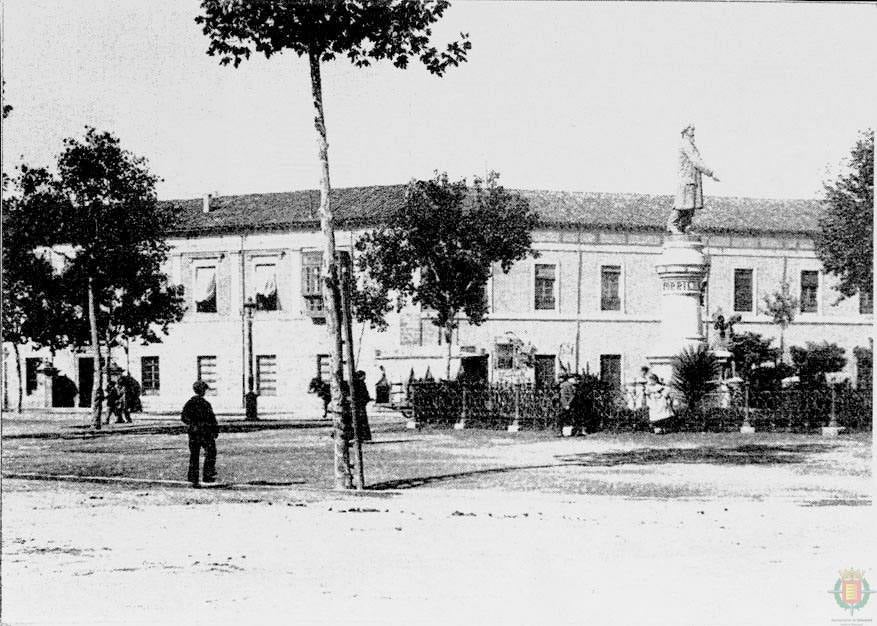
{"x": 265, "y": 275}
{"x": 311, "y": 283}
{"x": 743, "y": 290}
{"x": 207, "y": 372}
{"x": 324, "y": 367}
{"x": 809, "y": 292}
{"x": 205, "y": 289}
{"x": 545, "y": 279}
{"x": 266, "y": 374}
{"x": 610, "y": 288}
{"x": 149, "y": 374}
{"x": 505, "y": 356}
{"x": 31, "y": 365}
{"x": 610, "y": 370}
{"x": 866, "y": 301}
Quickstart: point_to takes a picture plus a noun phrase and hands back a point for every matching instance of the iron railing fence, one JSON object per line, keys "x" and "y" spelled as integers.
{"x": 499, "y": 405}
{"x": 445, "y": 403}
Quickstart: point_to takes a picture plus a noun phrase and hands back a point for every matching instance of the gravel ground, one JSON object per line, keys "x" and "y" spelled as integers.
{"x": 462, "y": 528}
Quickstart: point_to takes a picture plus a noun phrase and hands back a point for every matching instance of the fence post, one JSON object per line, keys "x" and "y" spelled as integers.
{"x": 746, "y": 428}
{"x": 412, "y": 406}
{"x": 462, "y": 423}
{"x": 515, "y": 426}
{"x": 833, "y": 421}
{"x": 832, "y": 429}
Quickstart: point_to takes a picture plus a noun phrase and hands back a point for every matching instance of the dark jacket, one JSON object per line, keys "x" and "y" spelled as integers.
{"x": 361, "y": 391}
{"x": 198, "y": 416}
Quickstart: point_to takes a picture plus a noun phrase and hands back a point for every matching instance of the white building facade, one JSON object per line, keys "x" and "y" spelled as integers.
{"x": 590, "y": 301}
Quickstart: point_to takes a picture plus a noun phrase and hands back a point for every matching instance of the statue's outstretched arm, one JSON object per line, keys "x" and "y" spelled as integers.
{"x": 694, "y": 156}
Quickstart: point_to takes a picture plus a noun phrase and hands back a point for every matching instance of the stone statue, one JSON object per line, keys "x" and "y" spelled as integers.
{"x": 689, "y": 193}
{"x": 725, "y": 328}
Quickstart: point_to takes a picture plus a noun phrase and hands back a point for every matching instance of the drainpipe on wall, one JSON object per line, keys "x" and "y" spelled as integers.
{"x": 243, "y": 283}
{"x": 579, "y": 304}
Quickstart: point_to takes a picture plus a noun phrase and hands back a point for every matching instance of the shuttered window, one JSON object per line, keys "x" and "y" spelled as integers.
{"x": 266, "y": 374}
{"x": 545, "y": 280}
{"x": 31, "y": 365}
{"x": 610, "y": 282}
{"x": 505, "y": 356}
{"x": 207, "y": 373}
{"x": 610, "y": 370}
{"x": 809, "y": 291}
{"x": 311, "y": 283}
{"x": 149, "y": 374}
{"x": 743, "y": 290}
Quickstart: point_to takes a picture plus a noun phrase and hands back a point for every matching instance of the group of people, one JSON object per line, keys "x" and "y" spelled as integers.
{"x": 577, "y": 402}
{"x": 361, "y": 399}
{"x": 123, "y": 398}
{"x": 203, "y": 429}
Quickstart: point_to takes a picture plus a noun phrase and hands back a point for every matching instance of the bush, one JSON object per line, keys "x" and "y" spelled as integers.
{"x": 694, "y": 375}
{"x": 816, "y": 360}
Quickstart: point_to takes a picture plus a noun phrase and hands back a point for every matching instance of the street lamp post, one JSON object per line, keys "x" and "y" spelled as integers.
{"x": 250, "y": 404}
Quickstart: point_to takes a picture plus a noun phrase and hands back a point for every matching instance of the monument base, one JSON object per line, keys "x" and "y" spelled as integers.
{"x": 681, "y": 268}
{"x": 747, "y": 430}
{"x": 831, "y": 431}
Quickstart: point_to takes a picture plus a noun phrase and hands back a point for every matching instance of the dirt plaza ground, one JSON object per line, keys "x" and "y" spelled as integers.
{"x": 472, "y": 527}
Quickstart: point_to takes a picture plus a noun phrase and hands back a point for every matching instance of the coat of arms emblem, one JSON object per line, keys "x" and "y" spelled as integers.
{"x": 851, "y": 591}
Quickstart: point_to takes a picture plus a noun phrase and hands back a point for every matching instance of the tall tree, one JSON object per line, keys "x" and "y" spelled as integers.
{"x": 361, "y": 30}
{"x": 100, "y": 212}
{"x": 439, "y": 248}
{"x": 26, "y": 281}
{"x": 845, "y": 244}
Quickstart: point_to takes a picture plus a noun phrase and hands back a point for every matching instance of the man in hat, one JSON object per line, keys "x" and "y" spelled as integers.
{"x": 689, "y": 193}
{"x": 198, "y": 416}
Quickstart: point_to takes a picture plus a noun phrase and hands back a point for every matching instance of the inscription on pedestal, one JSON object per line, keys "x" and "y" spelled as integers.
{"x": 681, "y": 286}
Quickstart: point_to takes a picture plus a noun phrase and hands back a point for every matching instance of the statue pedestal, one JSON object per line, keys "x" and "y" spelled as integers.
{"x": 681, "y": 268}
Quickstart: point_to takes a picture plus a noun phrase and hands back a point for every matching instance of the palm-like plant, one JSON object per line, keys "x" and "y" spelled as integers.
{"x": 695, "y": 370}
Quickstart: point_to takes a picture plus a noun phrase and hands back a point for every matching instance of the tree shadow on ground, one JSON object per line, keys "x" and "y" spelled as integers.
{"x": 750, "y": 454}
{"x": 81, "y": 431}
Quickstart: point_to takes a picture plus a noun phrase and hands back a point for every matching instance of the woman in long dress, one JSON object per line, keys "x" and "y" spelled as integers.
{"x": 657, "y": 400}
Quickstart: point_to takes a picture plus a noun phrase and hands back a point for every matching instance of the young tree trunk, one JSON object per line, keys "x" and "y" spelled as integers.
{"x": 18, "y": 374}
{"x": 96, "y": 391}
{"x": 343, "y": 477}
{"x": 449, "y": 333}
{"x": 782, "y": 345}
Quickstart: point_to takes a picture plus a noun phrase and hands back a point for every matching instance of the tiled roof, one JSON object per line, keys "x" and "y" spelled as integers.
{"x": 363, "y": 206}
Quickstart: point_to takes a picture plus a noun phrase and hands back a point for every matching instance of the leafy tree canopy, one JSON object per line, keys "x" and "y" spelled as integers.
{"x": 817, "y": 359}
{"x": 749, "y": 350}
{"x": 100, "y": 212}
{"x": 845, "y": 244}
{"x": 363, "y": 31}
{"x": 439, "y": 248}
{"x": 781, "y": 305}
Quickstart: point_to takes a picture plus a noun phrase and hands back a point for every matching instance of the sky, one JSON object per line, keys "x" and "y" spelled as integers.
{"x": 569, "y": 96}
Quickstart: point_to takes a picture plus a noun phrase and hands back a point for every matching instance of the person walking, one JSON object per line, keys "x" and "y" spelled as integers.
{"x": 360, "y": 390}
{"x": 203, "y": 430}
{"x": 123, "y": 403}
{"x": 112, "y": 397}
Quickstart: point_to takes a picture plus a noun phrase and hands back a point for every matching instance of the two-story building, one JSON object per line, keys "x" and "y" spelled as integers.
{"x": 590, "y": 301}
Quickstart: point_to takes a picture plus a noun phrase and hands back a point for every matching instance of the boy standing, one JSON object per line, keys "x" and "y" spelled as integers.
{"x": 198, "y": 416}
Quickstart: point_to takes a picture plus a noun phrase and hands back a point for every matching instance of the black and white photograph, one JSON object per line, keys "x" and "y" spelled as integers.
{"x": 437, "y": 312}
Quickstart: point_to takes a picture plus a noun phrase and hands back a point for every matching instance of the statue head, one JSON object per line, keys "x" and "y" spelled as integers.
{"x": 688, "y": 131}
